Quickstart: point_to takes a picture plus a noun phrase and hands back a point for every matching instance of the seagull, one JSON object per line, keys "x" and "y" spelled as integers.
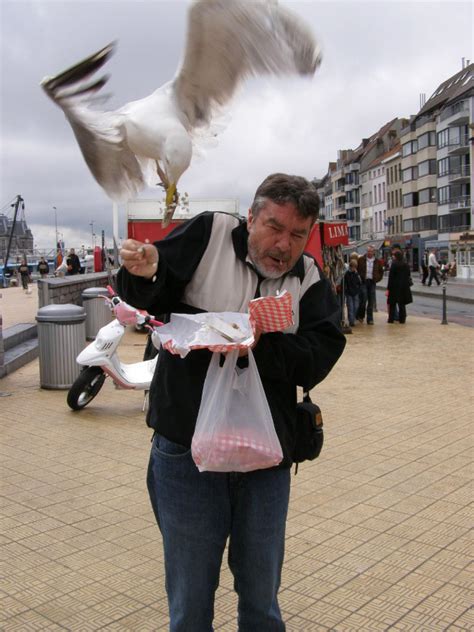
{"x": 227, "y": 42}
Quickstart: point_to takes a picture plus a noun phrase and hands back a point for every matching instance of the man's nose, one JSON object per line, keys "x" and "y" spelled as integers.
{"x": 283, "y": 241}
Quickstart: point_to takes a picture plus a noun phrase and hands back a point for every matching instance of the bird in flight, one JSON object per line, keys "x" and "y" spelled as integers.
{"x": 227, "y": 41}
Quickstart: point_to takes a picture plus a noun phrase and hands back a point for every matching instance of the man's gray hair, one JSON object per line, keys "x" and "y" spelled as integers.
{"x": 281, "y": 188}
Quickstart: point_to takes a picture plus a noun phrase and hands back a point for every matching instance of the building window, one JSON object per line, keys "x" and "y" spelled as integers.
{"x": 443, "y": 195}
{"x": 426, "y": 168}
{"x": 426, "y": 140}
{"x": 443, "y": 138}
{"x": 409, "y": 148}
{"x": 426, "y": 196}
{"x": 383, "y": 191}
{"x": 443, "y": 167}
{"x": 410, "y": 174}
{"x": 375, "y": 194}
{"x": 410, "y": 199}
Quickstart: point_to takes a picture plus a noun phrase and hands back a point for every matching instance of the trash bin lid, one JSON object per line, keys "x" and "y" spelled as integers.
{"x": 94, "y": 292}
{"x": 67, "y": 313}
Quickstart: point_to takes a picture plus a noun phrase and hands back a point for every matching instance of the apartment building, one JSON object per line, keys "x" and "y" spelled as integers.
{"x": 437, "y": 173}
{"x": 373, "y": 180}
{"x": 393, "y": 172}
{"x": 324, "y": 188}
{"x": 410, "y": 183}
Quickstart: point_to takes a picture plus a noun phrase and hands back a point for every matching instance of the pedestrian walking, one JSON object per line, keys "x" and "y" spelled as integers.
{"x": 398, "y": 288}
{"x": 352, "y": 285}
{"x": 43, "y": 268}
{"x": 25, "y": 276}
{"x": 371, "y": 272}
{"x": 424, "y": 268}
{"x": 217, "y": 262}
{"x": 433, "y": 266}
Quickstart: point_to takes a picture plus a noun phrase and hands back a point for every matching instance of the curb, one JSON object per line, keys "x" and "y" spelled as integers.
{"x": 449, "y": 297}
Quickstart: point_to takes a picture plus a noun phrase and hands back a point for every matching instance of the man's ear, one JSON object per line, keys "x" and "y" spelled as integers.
{"x": 249, "y": 218}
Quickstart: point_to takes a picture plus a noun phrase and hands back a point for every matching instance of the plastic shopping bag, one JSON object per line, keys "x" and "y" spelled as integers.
{"x": 234, "y": 429}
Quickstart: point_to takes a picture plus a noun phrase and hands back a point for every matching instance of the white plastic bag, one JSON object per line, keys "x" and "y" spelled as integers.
{"x": 234, "y": 429}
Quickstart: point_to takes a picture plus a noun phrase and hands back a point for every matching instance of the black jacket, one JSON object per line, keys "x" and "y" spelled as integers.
{"x": 203, "y": 266}
{"x": 352, "y": 283}
{"x": 399, "y": 283}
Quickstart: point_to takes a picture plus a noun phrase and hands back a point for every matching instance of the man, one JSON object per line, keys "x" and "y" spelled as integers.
{"x": 43, "y": 268}
{"x": 371, "y": 272}
{"x": 424, "y": 268}
{"x": 433, "y": 266}
{"x": 73, "y": 263}
{"x": 216, "y": 262}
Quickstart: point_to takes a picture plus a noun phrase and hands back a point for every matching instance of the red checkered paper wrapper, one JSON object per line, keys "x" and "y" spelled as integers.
{"x": 221, "y": 332}
{"x": 271, "y": 313}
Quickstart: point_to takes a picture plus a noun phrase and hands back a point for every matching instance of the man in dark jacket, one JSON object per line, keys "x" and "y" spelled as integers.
{"x": 371, "y": 272}
{"x": 215, "y": 263}
{"x": 73, "y": 263}
{"x": 398, "y": 288}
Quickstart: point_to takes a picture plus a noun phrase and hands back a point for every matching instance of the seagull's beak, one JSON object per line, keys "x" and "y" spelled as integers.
{"x": 170, "y": 191}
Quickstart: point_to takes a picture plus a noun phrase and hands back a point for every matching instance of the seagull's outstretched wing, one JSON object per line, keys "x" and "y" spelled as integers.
{"x": 229, "y": 40}
{"x": 101, "y": 135}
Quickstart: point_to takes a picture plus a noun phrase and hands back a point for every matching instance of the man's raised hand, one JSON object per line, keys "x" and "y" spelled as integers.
{"x": 140, "y": 259}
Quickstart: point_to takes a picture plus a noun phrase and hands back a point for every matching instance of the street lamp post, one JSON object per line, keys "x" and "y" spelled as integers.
{"x": 56, "y": 230}
{"x": 91, "y": 224}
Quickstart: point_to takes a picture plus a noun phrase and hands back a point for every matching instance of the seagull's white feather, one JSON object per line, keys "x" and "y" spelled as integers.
{"x": 228, "y": 40}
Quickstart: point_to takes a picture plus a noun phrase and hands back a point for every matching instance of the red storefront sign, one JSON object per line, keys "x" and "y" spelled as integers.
{"x": 335, "y": 234}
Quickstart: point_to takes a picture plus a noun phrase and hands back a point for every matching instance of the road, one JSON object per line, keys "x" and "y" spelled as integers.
{"x": 456, "y": 312}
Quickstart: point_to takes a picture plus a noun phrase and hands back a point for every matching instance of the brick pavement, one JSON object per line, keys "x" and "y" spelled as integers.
{"x": 378, "y": 534}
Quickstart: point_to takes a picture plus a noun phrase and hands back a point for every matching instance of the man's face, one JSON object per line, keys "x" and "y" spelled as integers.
{"x": 370, "y": 252}
{"x": 277, "y": 237}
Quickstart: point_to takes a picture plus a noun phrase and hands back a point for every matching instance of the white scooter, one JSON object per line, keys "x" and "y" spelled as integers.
{"x": 100, "y": 358}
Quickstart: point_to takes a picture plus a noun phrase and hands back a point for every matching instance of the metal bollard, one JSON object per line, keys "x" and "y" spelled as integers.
{"x": 445, "y": 320}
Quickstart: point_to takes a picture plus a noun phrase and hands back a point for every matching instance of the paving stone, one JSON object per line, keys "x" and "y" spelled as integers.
{"x": 378, "y": 529}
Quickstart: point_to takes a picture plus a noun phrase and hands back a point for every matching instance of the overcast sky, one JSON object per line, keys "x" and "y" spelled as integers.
{"x": 378, "y": 58}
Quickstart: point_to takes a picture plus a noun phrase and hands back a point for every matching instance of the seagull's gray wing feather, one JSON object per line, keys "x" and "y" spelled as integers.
{"x": 102, "y": 139}
{"x": 229, "y": 40}
{"x": 101, "y": 135}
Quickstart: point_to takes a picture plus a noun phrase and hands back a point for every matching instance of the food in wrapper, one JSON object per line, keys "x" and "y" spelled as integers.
{"x": 234, "y": 453}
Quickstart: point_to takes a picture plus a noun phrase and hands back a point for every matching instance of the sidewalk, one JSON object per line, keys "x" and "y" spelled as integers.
{"x": 378, "y": 528}
{"x": 461, "y": 290}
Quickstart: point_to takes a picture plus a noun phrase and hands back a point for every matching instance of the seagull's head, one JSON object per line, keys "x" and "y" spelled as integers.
{"x": 177, "y": 158}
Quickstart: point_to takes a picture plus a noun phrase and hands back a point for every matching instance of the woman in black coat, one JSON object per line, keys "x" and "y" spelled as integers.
{"x": 399, "y": 293}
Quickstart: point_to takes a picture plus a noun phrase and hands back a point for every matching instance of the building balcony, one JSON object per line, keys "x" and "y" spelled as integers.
{"x": 461, "y": 174}
{"x": 459, "y": 145}
{"x": 458, "y": 113}
{"x": 460, "y": 203}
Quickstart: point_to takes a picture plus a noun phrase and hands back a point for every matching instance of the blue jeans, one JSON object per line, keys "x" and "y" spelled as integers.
{"x": 197, "y": 512}
{"x": 367, "y": 300}
{"x": 352, "y": 303}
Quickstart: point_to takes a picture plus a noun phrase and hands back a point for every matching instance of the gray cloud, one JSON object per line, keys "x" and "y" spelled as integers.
{"x": 378, "y": 57}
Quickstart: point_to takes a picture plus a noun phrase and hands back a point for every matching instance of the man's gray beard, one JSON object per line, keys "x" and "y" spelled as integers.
{"x": 273, "y": 274}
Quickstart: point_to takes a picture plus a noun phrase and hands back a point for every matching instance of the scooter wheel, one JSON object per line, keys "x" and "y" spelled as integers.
{"x": 86, "y": 387}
